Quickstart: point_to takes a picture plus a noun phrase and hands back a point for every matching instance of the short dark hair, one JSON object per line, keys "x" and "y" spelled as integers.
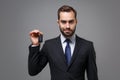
{"x": 66, "y": 8}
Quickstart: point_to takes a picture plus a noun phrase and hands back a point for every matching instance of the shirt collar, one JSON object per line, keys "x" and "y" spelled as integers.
{"x": 71, "y": 38}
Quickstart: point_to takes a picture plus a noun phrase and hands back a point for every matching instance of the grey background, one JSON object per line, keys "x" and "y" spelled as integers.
{"x": 98, "y": 21}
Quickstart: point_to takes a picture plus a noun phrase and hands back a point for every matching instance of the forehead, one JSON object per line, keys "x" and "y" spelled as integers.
{"x": 67, "y": 15}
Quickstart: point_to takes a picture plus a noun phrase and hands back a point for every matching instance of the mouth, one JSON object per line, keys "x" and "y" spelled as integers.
{"x": 67, "y": 32}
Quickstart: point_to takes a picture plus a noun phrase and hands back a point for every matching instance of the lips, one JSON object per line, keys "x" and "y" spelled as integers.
{"x": 67, "y": 30}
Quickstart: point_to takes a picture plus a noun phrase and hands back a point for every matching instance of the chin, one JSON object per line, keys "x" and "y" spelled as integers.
{"x": 67, "y": 35}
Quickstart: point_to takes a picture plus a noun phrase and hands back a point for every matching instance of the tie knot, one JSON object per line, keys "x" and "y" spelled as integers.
{"x": 68, "y": 40}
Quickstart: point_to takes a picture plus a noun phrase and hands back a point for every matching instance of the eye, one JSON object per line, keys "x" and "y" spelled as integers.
{"x": 63, "y": 22}
{"x": 71, "y": 21}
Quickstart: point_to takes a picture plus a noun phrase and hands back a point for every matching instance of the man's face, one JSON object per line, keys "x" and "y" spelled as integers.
{"x": 67, "y": 23}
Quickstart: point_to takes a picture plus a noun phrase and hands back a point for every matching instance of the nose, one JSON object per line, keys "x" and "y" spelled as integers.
{"x": 67, "y": 25}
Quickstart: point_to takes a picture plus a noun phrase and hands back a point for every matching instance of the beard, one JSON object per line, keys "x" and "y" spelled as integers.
{"x": 67, "y": 32}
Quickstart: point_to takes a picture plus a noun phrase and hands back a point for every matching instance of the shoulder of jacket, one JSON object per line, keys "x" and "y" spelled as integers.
{"x": 83, "y": 40}
{"x": 52, "y": 40}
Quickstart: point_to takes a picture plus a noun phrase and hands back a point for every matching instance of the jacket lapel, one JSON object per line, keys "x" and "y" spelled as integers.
{"x": 76, "y": 51}
{"x": 60, "y": 55}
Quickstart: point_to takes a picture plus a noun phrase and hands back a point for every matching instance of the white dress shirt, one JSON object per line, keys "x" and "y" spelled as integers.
{"x": 72, "y": 43}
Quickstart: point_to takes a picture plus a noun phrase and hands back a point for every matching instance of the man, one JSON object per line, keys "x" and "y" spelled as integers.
{"x": 69, "y": 56}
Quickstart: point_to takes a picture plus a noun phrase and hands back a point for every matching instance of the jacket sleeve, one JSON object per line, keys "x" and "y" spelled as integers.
{"x": 91, "y": 64}
{"x": 37, "y": 60}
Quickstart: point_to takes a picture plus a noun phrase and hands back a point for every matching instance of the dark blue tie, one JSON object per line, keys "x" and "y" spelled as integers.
{"x": 68, "y": 51}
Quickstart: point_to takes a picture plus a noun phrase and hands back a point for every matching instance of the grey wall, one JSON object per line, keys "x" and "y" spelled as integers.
{"x": 98, "y": 21}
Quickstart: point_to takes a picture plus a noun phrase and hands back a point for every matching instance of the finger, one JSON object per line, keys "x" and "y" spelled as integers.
{"x": 35, "y": 33}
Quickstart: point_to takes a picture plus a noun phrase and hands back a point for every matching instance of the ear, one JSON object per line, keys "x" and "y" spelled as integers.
{"x": 58, "y": 21}
{"x": 76, "y": 21}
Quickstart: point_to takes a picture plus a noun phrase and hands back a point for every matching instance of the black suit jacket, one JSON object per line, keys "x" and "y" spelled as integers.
{"x": 83, "y": 59}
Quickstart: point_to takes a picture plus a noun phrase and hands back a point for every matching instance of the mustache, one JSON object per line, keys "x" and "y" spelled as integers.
{"x": 67, "y": 29}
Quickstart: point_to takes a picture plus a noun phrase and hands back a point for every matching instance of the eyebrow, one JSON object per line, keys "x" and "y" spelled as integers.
{"x": 65, "y": 21}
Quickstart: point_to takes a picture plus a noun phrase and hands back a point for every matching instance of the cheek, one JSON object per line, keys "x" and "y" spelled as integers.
{"x": 61, "y": 26}
{"x": 73, "y": 27}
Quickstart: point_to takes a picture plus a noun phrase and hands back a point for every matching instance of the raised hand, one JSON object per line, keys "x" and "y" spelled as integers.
{"x": 34, "y": 36}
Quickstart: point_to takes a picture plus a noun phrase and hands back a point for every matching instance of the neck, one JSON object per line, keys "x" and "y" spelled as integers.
{"x": 70, "y": 37}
